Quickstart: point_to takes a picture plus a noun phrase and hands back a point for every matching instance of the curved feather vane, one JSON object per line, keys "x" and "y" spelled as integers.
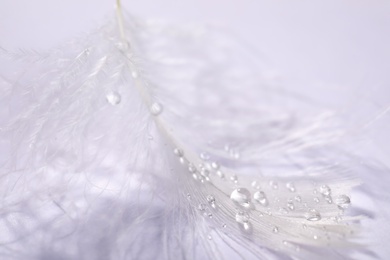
{"x": 160, "y": 142}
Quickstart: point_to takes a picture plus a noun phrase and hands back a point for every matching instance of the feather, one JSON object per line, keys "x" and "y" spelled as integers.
{"x": 147, "y": 132}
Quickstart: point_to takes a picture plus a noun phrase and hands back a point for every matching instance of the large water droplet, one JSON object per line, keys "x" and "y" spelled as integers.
{"x": 156, "y": 109}
{"x": 313, "y": 215}
{"x": 114, "y": 98}
{"x": 325, "y": 190}
{"x": 343, "y": 201}
{"x": 241, "y": 196}
{"x": 242, "y": 217}
{"x": 261, "y": 198}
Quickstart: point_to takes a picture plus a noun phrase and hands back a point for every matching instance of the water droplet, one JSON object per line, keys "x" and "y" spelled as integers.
{"x": 182, "y": 160}
{"x": 178, "y": 152}
{"x": 191, "y": 168}
{"x": 304, "y": 226}
{"x": 211, "y": 200}
{"x": 298, "y": 198}
{"x": 313, "y": 215}
{"x": 201, "y": 207}
{"x": 204, "y": 156}
{"x": 316, "y": 200}
{"x": 325, "y": 190}
{"x": 283, "y": 211}
{"x": 255, "y": 185}
{"x": 241, "y": 196}
{"x": 290, "y": 186}
{"x": 290, "y": 206}
{"x": 188, "y": 196}
{"x": 275, "y": 230}
{"x": 209, "y": 237}
{"x": 242, "y": 217}
{"x": 156, "y": 109}
{"x": 274, "y": 185}
{"x": 224, "y": 225}
{"x": 343, "y": 201}
{"x": 210, "y": 215}
{"x": 215, "y": 165}
{"x": 220, "y": 174}
{"x": 315, "y": 237}
{"x": 328, "y": 199}
{"x": 114, "y": 98}
{"x": 261, "y": 198}
{"x": 234, "y": 179}
{"x": 204, "y": 172}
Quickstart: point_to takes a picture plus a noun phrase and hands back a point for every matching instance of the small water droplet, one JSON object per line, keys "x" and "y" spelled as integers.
{"x": 325, "y": 190}
{"x": 234, "y": 179}
{"x": 201, "y": 207}
{"x": 290, "y": 206}
{"x": 313, "y": 215}
{"x": 261, "y": 198}
{"x": 182, "y": 160}
{"x": 215, "y": 165}
{"x": 298, "y": 198}
{"x": 304, "y": 226}
{"x": 274, "y": 185}
{"x": 188, "y": 196}
{"x": 328, "y": 199}
{"x": 255, "y": 185}
{"x": 156, "y": 109}
{"x": 315, "y": 237}
{"x": 241, "y": 196}
{"x": 191, "y": 168}
{"x": 283, "y": 211}
{"x": 204, "y": 156}
{"x": 224, "y": 225}
{"x": 178, "y": 152}
{"x": 210, "y": 215}
{"x": 315, "y": 191}
{"x": 343, "y": 201}
{"x": 290, "y": 186}
{"x": 220, "y": 174}
{"x": 204, "y": 172}
{"x": 211, "y": 200}
{"x": 114, "y": 98}
{"x": 275, "y": 230}
{"x": 316, "y": 200}
{"x": 209, "y": 237}
{"x": 242, "y": 217}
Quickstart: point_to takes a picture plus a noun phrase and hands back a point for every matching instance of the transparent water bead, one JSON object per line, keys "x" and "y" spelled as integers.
{"x": 178, "y": 152}
{"x": 343, "y": 201}
{"x": 274, "y": 185}
{"x": 313, "y": 215}
{"x": 290, "y": 186}
{"x": 201, "y": 207}
{"x": 156, "y": 109}
{"x": 211, "y": 200}
{"x": 261, "y": 198}
{"x": 290, "y": 206}
{"x": 275, "y": 230}
{"x": 191, "y": 168}
{"x": 255, "y": 185}
{"x": 134, "y": 74}
{"x": 204, "y": 156}
{"x": 114, "y": 98}
{"x": 325, "y": 190}
{"x": 241, "y": 196}
{"x": 215, "y": 165}
{"x": 242, "y": 217}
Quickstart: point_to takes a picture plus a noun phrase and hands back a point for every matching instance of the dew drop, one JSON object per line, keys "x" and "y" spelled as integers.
{"x": 188, "y": 196}
{"x": 274, "y": 185}
{"x": 255, "y": 185}
{"x": 114, "y": 98}
{"x": 204, "y": 172}
{"x": 290, "y": 206}
{"x": 182, "y": 160}
{"x": 204, "y": 156}
{"x": 156, "y": 109}
{"x": 220, "y": 174}
{"x": 201, "y": 207}
{"x": 215, "y": 165}
{"x": 313, "y": 215}
{"x": 209, "y": 237}
{"x": 315, "y": 237}
{"x": 211, "y": 200}
{"x": 290, "y": 186}
{"x": 191, "y": 168}
{"x": 224, "y": 225}
{"x": 242, "y": 217}
{"x": 298, "y": 198}
{"x": 241, "y": 196}
{"x": 325, "y": 190}
{"x": 275, "y": 230}
{"x": 210, "y": 215}
{"x": 328, "y": 199}
{"x": 178, "y": 152}
{"x": 283, "y": 211}
{"x": 234, "y": 179}
{"x": 343, "y": 201}
{"x": 261, "y": 198}
{"x": 316, "y": 200}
